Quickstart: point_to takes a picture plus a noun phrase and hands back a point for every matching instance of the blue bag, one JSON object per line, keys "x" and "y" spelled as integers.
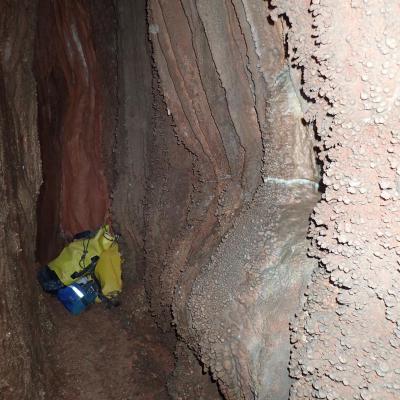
{"x": 77, "y": 296}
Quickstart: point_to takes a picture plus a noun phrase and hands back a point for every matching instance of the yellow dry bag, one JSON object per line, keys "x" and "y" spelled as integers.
{"x": 78, "y": 255}
{"x": 108, "y": 272}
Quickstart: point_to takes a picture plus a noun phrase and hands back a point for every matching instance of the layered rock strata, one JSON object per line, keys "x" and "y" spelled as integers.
{"x": 231, "y": 102}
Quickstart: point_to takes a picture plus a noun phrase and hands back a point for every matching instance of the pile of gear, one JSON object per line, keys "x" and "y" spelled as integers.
{"x": 88, "y": 270}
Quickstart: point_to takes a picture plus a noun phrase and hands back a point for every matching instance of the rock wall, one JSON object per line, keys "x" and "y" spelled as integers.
{"x": 218, "y": 171}
{"x": 135, "y": 127}
{"x": 21, "y": 322}
{"x": 95, "y": 117}
{"x": 241, "y": 304}
{"x": 212, "y": 106}
{"x": 76, "y": 96}
{"x": 346, "y": 341}
{"x": 229, "y": 98}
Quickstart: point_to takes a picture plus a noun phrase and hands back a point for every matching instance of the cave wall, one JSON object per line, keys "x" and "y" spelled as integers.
{"x": 21, "y": 321}
{"x": 236, "y": 110}
{"x": 95, "y": 118}
{"x": 76, "y": 79}
{"x": 215, "y": 121}
{"x": 48, "y": 92}
{"x": 135, "y": 127}
{"x": 218, "y": 110}
{"x": 346, "y": 340}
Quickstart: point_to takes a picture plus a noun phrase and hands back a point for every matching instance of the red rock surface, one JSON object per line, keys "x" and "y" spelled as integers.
{"x": 71, "y": 95}
{"x": 188, "y": 156}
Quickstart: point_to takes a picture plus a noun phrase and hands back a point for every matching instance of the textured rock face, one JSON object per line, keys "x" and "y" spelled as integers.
{"x": 237, "y": 116}
{"x": 346, "y": 341}
{"x": 220, "y": 135}
{"x": 220, "y": 111}
{"x": 73, "y": 124}
{"x": 20, "y": 178}
{"x": 223, "y": 113}
{"x": 241, "y": 304}
{"x": 135, "y": 126}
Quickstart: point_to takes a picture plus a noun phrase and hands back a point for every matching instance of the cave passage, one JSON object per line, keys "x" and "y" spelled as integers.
{"x": 155, "y": 116}
{"x": 103, "y": 354}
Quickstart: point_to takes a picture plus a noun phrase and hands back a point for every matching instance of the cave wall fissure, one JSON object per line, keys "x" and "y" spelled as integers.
{"x": 76, "y": 131}
{"x": 136, "y": 112}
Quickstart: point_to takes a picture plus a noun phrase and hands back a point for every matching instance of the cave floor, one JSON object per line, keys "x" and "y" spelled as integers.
{"x": 103, "y": 354}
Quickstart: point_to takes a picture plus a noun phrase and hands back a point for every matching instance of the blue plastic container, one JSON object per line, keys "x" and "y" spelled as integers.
{"x": 76, "y": 297}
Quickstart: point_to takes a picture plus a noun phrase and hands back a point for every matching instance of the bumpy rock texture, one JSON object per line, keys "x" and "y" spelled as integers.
{"x": 219, "y": 134}
{"x": 241, "y": 304}
{"x": 346, "y": 341}
{"x": 232, "y": 105}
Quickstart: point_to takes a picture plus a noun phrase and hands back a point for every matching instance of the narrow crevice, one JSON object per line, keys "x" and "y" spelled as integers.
{"x": 170, "y": 122}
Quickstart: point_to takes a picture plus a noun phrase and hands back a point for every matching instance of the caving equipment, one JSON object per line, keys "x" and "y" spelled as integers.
{"x": 87, "y": 270}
